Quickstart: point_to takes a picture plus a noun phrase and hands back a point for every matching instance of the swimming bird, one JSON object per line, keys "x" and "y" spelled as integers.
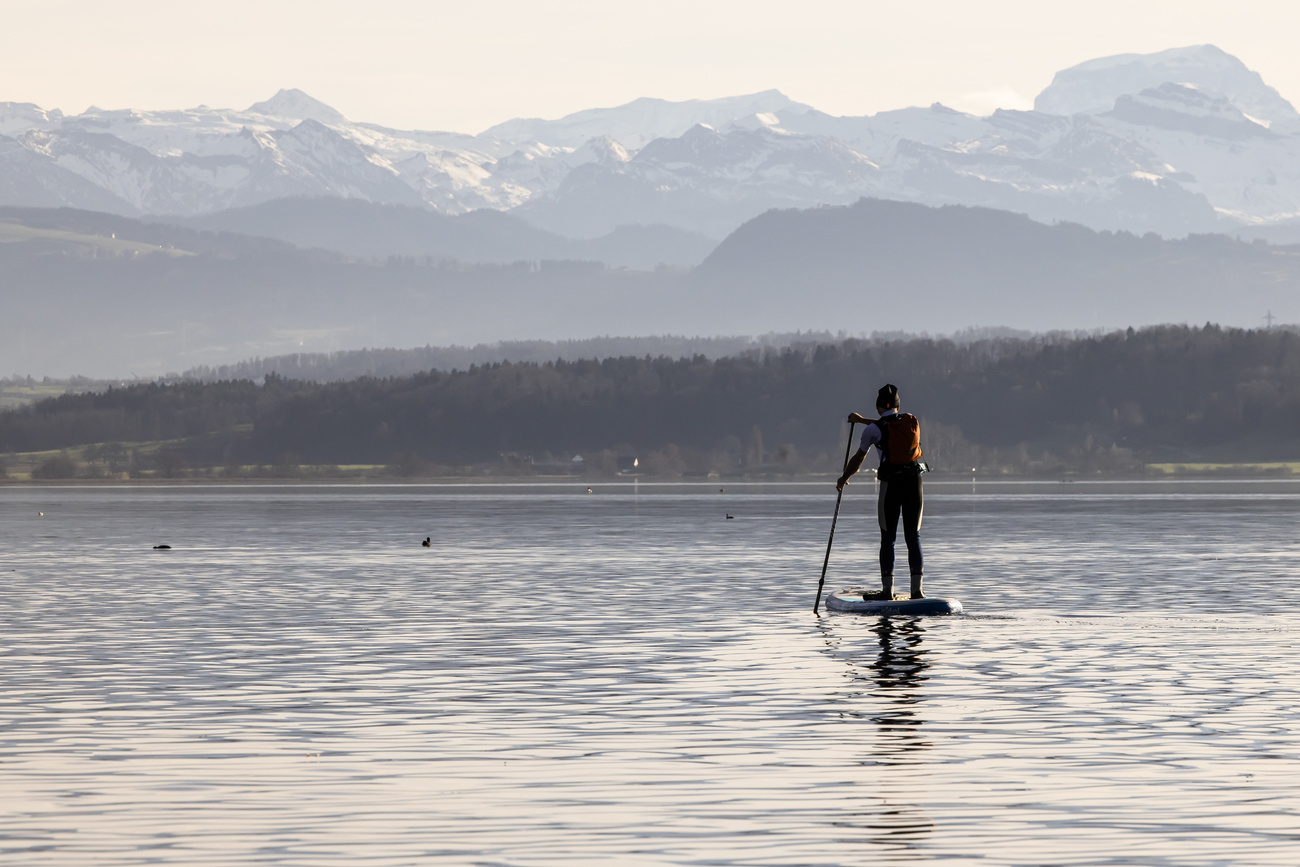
{"x": 730, "y": 517}
{"x": 428, "y": 542}
{"x": 162, "y": 547}
{"x": 589, "y": 490}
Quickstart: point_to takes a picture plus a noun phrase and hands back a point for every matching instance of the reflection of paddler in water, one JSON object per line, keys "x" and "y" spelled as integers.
{"x": 891, "y": 684}
{"x": 894, "y": 677}
{"x": 899, "y": 673}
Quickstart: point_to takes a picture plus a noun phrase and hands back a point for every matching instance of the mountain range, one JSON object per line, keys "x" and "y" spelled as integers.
{"x": 110, "y": 296}
{"x": 1185, "y": 140}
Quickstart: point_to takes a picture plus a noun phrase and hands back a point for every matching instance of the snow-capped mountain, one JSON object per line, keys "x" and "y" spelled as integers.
{"x": 295, "y": 104}
{"x": 1093, "y": 87}
{"x": 1184, "y": 140}
{"x": 642, "y": 120}
{"x": 706, "y": 180}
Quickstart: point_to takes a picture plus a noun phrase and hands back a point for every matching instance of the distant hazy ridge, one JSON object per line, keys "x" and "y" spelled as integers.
{"x": 77, "y": 303}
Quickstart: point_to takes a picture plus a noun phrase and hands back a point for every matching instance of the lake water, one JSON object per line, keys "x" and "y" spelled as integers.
{"x": 627, "y": 677}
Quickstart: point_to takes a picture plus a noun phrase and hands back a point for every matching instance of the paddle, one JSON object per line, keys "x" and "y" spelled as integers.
{"x": 838, "y": 496}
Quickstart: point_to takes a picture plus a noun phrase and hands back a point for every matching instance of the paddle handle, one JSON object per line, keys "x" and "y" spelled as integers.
{"x": 834, "y": 520}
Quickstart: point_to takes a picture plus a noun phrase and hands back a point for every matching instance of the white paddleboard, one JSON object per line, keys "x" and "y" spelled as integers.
{"x": 850, "y": 599}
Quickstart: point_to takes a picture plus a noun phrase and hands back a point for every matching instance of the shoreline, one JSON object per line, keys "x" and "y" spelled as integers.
{"x": 481, "y": 481}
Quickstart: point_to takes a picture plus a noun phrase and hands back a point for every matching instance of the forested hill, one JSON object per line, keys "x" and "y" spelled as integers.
{"x": 903, "y": 262}
{"x": 356, "y": 363}
{"x": 1159, "y": 393}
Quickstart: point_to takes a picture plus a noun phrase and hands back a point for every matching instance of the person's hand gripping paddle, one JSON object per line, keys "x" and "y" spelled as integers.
{"x": 839, "y": 496}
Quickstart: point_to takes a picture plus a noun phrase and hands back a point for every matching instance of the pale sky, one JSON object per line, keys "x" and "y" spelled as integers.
{"x": 464, "y": 66}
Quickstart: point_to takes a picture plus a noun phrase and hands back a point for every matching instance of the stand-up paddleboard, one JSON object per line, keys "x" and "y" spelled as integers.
{"x": 850, "y": 599}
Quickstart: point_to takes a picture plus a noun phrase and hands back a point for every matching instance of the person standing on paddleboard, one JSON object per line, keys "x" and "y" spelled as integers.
{"x": 897, "y": 437}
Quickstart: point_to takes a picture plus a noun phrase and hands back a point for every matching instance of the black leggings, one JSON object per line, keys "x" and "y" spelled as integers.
{"x": 900, "y": 493}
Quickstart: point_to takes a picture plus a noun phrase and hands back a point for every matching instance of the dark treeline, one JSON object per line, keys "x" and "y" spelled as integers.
{"x": 356, "y": 363}
{"x": 1098, "y": 402}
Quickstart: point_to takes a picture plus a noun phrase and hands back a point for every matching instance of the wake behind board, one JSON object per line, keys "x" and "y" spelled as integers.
{"x": 850, "y": 599}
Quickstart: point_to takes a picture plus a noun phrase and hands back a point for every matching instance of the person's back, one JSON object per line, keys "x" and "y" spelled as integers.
{"x": 896, "y": 436}
{"x": 900, "y": 441}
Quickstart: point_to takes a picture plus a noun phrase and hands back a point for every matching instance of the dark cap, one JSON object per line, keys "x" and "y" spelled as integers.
{"x": 887, "y": 396}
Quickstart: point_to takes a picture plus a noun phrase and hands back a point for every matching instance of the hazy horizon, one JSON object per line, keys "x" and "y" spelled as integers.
{"x": 1195, "y": 138}
{"x": 414, "y": 66}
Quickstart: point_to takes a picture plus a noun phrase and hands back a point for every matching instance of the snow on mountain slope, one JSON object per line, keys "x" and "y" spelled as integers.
{"x": 131, "y": 174}
{"x": 1184, "y": 140}
{"x": 878, "y": 135}
{"x": 318, "y": 157}
{"x": 32, "y": 178}
{"x": 19, "y": 117}
{"x": 1051, "y": 167}
{"x": 1048, "y": 166}
{"x": 772, "y": 158}
{"x": 1186, "y": 107}
{"x": 293, "y": 103}
{"x": 1093, "y": 87}
{"x": 641, "y": 121}
{"x": 600, "y": 149}
{"x": 1251, "y": 174}
{"x": 163, "y": 133}
{"x": 453, "y": 183}
{"x": 242, "y": 168}
{"x": 707, "y": 181}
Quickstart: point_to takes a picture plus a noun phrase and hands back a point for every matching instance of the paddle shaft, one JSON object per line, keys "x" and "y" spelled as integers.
{"x": 834, "y": 519}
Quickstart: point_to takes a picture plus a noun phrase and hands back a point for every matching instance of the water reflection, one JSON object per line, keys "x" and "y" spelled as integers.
{"x": 899, "y": 672}
{"x": 888, "y": 677}
{"x": 888, "y": 692}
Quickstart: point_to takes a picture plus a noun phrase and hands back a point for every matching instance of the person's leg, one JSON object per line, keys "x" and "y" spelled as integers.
{"x": 913, "y": 508}
{"x": 888, "y": 507}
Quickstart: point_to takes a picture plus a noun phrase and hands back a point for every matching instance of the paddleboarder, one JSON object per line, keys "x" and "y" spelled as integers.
{"x": 897, "y": 438}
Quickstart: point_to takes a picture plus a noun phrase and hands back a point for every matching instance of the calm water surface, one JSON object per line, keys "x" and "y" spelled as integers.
{"x": 629, "y": 678}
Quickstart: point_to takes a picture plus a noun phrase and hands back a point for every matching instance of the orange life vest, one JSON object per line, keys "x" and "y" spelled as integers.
{"x": 900, "y": 439}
